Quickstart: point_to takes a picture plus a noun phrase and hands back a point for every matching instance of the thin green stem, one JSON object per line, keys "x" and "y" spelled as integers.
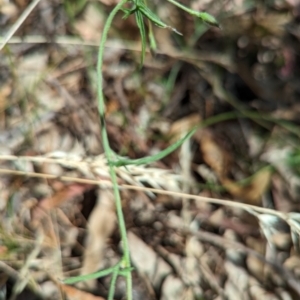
{"x": 113, "y": 284}
{"x": 206, "y": 17}
{"x": 108, "y": 152}
{"x": 188, "y": 10}
{"x": 95, "y": 275}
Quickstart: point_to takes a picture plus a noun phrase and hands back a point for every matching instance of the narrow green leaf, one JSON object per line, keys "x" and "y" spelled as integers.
{"x": 205, "y": 17}
{"x": 149, "y": 159}
{"x": 140, "y": 23}
{"x": 152, "y": 41}
{"x": 95, "y": 275}
{"x": 128, "y": 12}
{"x": 151, "y": 16}
{"x": 156, "y": 157}
{"x": 148, "y": 13}
{"x": 209, "y": 19}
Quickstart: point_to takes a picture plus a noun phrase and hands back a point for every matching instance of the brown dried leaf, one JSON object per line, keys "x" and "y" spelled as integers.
{"x": 75, "y": 294}
{"x": 100, "y": 226}
{"x": 252, "y": 192}
{"x": 66, "y": 194}
{"x": 184, "y": 125}
{"x": 213, "y": 154}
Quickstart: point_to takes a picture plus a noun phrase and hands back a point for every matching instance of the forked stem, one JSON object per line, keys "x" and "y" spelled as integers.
{"x": 109, "y": 153}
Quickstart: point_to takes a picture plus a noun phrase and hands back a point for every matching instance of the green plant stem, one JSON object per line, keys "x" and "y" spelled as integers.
{"x": 204, "y": 16}
{"x": 113, "y": 284}
{"x": 108, "y": 152}
{"x": 189, "y": 11}
{"x": 95, "y": 275}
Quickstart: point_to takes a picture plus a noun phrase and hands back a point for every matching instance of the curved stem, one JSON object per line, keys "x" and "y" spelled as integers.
{"x": 108, "y": 152}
